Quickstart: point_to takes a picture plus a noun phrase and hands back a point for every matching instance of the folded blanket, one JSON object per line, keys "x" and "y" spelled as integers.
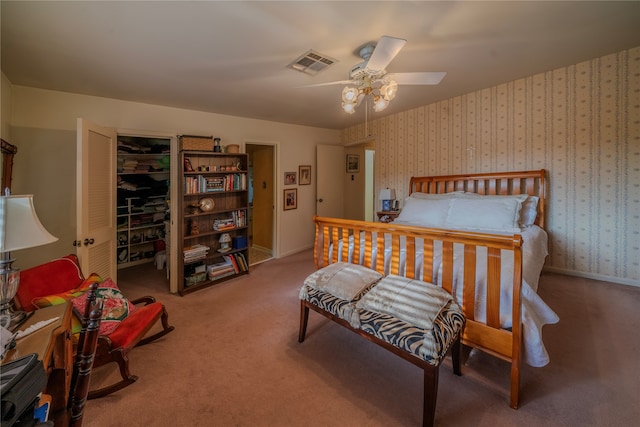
{"x": 342, "y": 280}
{"x": 412, "y": 301}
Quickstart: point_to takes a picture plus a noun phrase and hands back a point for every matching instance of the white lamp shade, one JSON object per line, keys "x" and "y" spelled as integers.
{"x": 380, "y": 104}
{"x": 389, "y": 91}
{"x": 20, "y": 227}
{"x": 350, "y": 94}
{"x": 387, "y": 194}
{"x": 349, "y": 107}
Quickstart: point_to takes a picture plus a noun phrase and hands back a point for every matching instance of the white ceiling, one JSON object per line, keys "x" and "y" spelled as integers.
{"x": 231, "y": 57}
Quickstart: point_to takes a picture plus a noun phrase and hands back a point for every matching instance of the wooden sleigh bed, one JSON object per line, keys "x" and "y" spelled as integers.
{"x": 483, "y": 271}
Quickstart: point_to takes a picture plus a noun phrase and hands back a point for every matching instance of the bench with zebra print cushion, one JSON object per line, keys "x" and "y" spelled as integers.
{"x": 416, "y": 320}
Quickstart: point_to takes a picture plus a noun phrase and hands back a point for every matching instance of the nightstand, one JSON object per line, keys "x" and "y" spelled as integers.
{"x": 387, "y": 216}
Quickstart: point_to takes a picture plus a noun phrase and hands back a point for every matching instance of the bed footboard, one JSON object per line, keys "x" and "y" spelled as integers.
{"x": 463, "y": 263}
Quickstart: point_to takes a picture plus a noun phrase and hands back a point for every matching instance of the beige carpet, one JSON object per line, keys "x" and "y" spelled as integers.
{"x": 234, "y": 360}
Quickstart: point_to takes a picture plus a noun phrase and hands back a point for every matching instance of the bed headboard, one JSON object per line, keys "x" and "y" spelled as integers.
{"x": 501, "y": 183}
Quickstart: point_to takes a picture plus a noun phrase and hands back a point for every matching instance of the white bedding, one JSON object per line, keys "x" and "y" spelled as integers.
{"x": 535, "y": 312}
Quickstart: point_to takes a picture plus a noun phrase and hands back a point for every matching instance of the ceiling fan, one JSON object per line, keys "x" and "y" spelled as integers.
{"x": 370, "y": 76}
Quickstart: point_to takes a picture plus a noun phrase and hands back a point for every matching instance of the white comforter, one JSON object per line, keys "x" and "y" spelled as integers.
{"x": 535, "y": 312}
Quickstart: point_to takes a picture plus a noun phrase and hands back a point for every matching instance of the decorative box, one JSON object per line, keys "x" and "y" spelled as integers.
{"x": 239, "y": 242}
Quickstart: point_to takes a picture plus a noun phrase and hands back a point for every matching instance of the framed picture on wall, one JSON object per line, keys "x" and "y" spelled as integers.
{"x": 305, "y": 174}
{"x": 290, "y": 199}
{"x": 290, "y": 178}
{"x": 353, "y": 163}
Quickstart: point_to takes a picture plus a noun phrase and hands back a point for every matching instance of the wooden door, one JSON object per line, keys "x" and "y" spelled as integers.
{"x": 331, "y": 167}
{"x": 96, "y": 199}
{"x": 263, "y": 192}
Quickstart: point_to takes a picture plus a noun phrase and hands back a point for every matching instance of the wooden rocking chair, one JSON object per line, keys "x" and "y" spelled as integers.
{"x": 62, "y": 276}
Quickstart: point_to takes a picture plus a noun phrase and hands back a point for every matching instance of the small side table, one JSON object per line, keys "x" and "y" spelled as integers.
{"x": 387, "y": 216}
{"x": 52, "y": 344}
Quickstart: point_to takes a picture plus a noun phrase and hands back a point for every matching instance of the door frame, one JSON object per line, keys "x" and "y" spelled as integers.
{"x": 275, "y": 250}
{"x": 175, "y": 179}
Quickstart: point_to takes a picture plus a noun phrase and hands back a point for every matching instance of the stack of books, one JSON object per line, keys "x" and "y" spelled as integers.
{"x": 219, "y": 270}
{"x": 223, "y": 224}
{"x": 195, "y": 253}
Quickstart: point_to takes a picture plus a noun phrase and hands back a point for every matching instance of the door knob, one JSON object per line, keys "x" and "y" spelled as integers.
{"x": 88, "y": 242}
{"x": 77, "y": 243}
{"x": 320, "y": 200}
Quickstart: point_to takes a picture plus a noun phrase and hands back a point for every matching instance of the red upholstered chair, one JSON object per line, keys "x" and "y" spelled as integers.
{"x": 63, "y": 275}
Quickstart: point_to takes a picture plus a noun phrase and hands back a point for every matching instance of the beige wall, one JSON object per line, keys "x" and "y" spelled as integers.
{"x": 581, "y": 123}
{"x": 5, "y": 108}
{"x": 43, "y": 126}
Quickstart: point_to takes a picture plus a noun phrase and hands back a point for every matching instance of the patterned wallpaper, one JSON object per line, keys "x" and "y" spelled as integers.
{"x": 581, "y": 123}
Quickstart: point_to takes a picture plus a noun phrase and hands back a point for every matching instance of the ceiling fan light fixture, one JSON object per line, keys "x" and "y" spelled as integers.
{"x": 370, "y": 77}
{"x": 389, "y": 90}
{"x": 349, "y": 107}
{"x": 379, "y": 104}
{"x": 350, "y": 94}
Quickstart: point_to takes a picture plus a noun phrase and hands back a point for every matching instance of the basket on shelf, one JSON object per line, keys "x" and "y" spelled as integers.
{"x": 232, "y": 149}
{"x": 196, "y": 143}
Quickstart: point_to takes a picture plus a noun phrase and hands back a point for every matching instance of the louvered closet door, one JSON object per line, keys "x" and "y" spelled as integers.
{"x": 96, "y": 199}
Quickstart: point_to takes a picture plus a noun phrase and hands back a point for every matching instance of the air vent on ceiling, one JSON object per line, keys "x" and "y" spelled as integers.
{"x": 311, "y": 62}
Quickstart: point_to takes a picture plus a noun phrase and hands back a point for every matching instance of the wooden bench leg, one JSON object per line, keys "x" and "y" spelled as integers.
{"x": 304, "y": 317}
{"x": 430, "y": 395}
{"x": 455, "y": 356}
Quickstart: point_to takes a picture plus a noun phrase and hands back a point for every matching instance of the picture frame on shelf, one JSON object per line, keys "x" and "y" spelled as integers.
{"x": 353, "y": 163}
{"x": 188, "y": 167}
{"x": 305, "y": 174}
{"x": 290, "y": 178}
{"x": 290, "y": 199}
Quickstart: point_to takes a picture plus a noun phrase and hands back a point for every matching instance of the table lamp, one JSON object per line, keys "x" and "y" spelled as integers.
{"x": 20, "y": 228}
{"x": 387, "y": 197}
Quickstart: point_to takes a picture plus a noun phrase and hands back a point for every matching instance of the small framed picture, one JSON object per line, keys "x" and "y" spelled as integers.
{"x": 305, "y": 174}
{"x": 290, "y": 178}
{"x": 290, "y": 199}
{"x": 353, "y": 163}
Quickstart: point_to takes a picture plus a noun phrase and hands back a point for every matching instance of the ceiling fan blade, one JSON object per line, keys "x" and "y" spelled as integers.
{"x": 339, "y": 82}
{"x": 425, "y": 78}
{"x": 386, "y": 49}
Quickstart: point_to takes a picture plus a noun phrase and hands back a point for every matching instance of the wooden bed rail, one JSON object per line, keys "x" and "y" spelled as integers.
{"x": 354, "y": 241}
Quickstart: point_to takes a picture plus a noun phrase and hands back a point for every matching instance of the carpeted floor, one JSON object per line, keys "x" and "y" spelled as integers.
{"x": 234, "y": 360}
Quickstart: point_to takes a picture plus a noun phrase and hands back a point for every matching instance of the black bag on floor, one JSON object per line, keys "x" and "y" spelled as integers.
{"x": 21, "y": 381}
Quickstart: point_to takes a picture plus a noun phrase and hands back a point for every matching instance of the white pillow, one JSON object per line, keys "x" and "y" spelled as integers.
{"x": 436, "y": 196}
{"x": 424, "y": 212}
{"x": 485, "y": 213}
{"x": 529, "y": 209}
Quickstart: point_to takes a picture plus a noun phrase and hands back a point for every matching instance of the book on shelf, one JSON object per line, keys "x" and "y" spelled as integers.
{"x": 223, "y": 224}
{"x": 243, "y": 261}
{"x": 220, "y": 269}
{"x": 195, "y": 253}
{"x": 232, "y": 259}
{"x": 205, "y": 184}
{"x": 222, "y": 275}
